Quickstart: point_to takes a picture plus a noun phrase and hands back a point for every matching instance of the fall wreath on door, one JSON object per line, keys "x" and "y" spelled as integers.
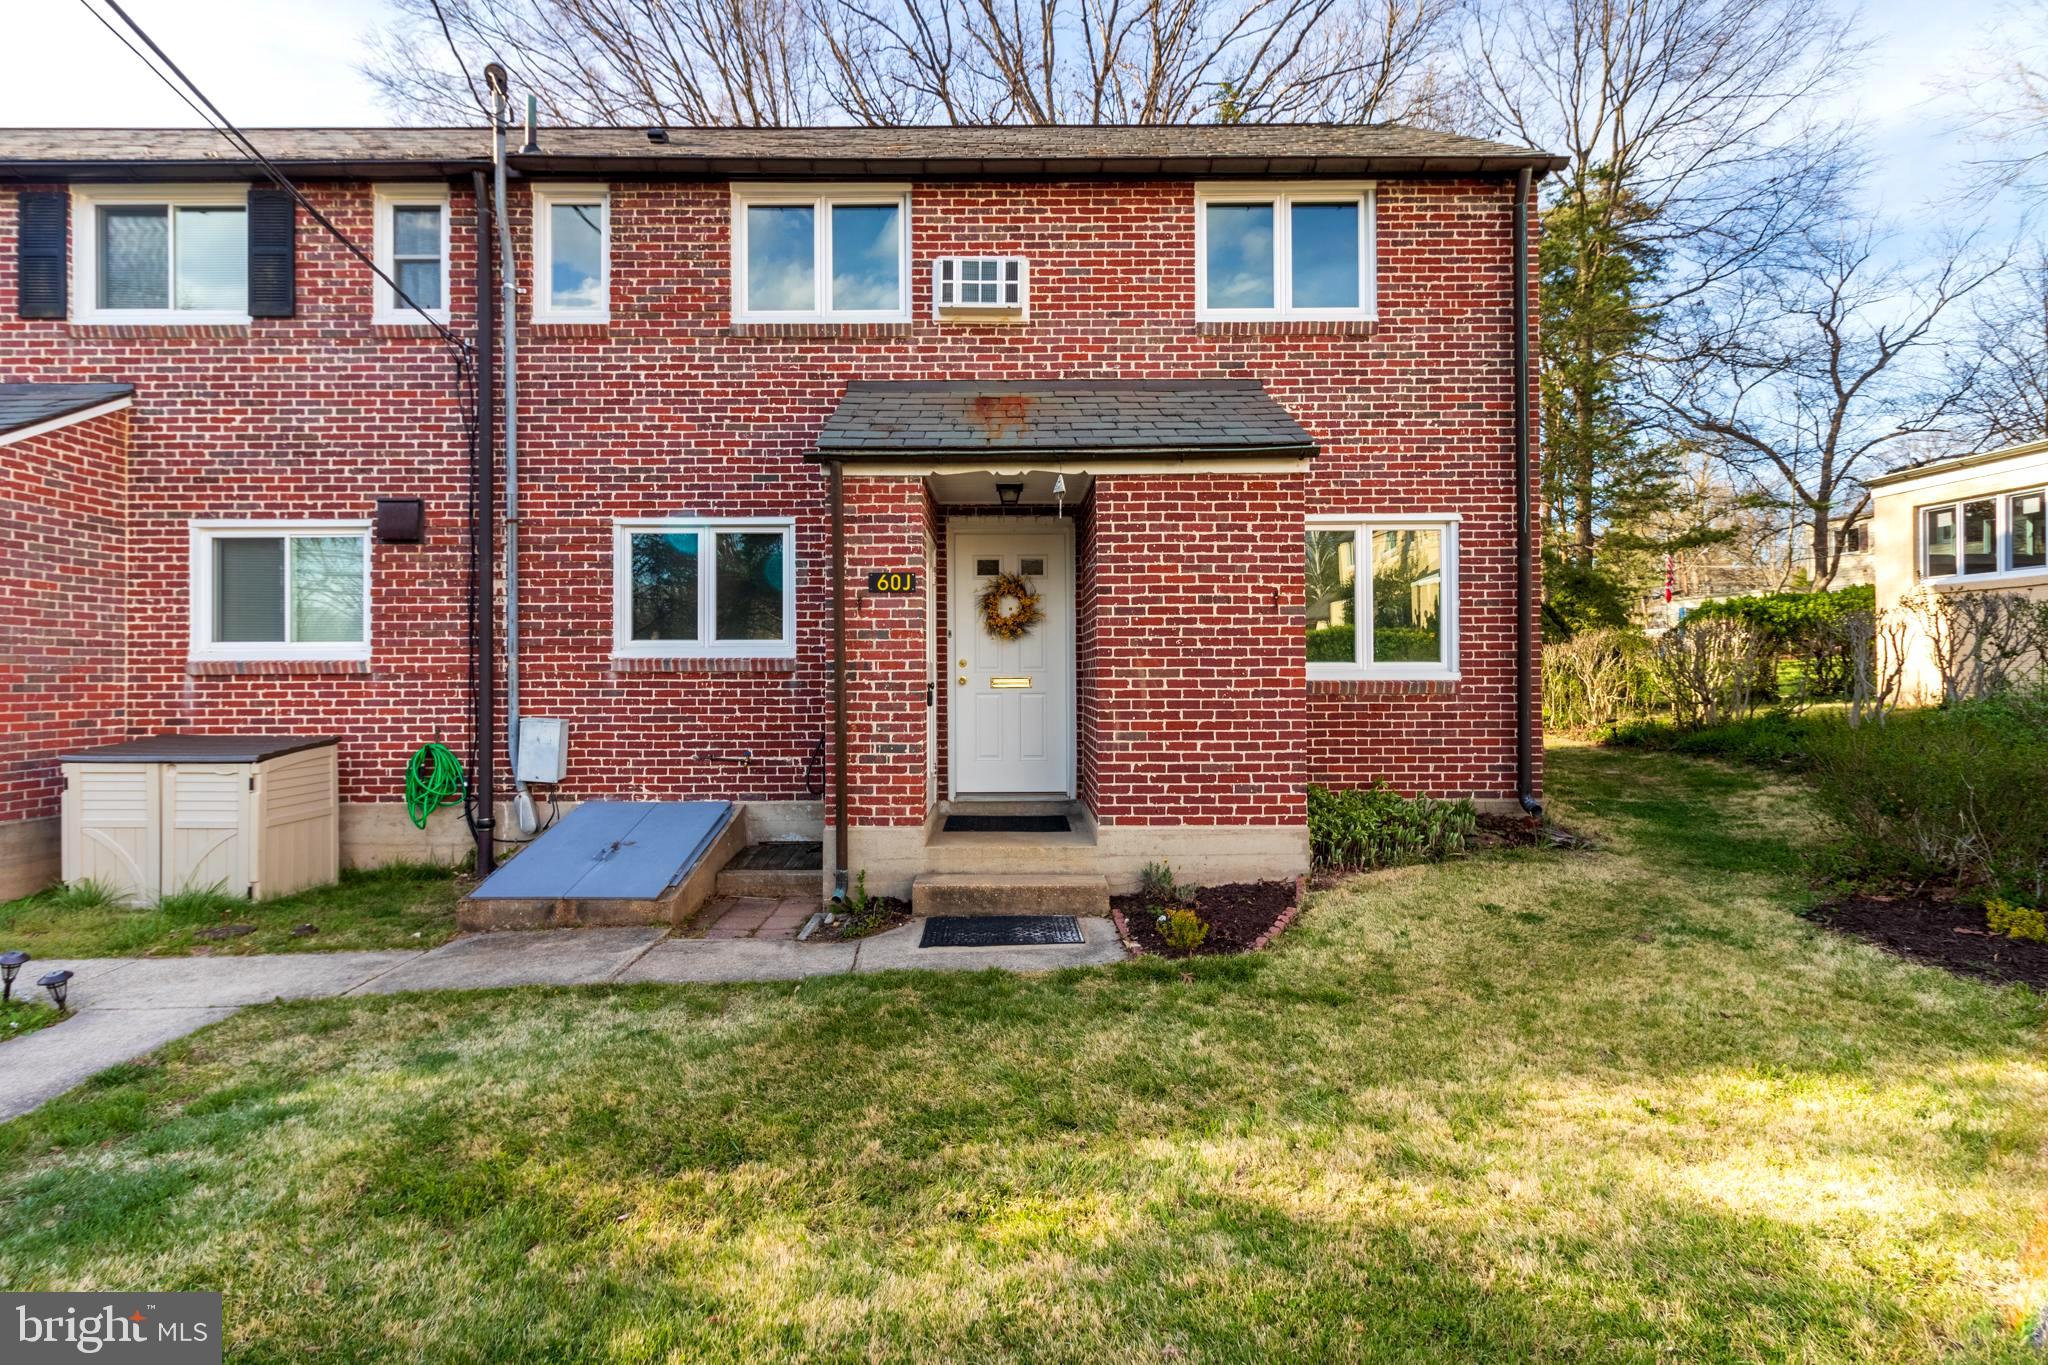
{"x": 1009, "y": 606}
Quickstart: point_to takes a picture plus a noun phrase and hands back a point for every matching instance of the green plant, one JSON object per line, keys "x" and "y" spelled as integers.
{"x": 857, "y": 902}
{"x": 1183, "y": 930}
{"x": 1951, "y": 795}
{"x": 83, "y": 895}
{"x": 1376, "y": 826}
{"x": 1157, "y": 887}
{"x": 2016, "y": 921}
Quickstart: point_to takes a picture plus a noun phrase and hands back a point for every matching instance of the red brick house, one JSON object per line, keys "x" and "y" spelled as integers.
{"x": 1238, "y": 405}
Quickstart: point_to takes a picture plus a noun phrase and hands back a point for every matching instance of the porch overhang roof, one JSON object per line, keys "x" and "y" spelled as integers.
{"x": 1092, "y": 424}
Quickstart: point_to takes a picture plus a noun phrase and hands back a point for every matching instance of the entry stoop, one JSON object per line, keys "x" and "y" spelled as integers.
{"x": 1010, "y": 893}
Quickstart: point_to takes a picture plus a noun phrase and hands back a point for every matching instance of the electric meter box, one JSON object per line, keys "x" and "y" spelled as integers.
{"x": 543, "y": 749}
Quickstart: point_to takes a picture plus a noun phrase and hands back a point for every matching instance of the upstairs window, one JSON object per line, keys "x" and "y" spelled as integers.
{"x": 1298, "y": 252}
{"x": 705, "y": 588}
{"x": 412, "y": 248}
{"x": 280, "y": 590}
{"x": 839, "y": 254}
{"x": 1382, "y": 598}
{"x": 572, "y": 251}
{"x": 1985, "y": 537}
{"x": 149, "y": 254}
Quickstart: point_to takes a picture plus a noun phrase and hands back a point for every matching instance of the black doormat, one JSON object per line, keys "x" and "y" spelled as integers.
{"x": 999, "y": 931}
{"x": 1007, "y": 824}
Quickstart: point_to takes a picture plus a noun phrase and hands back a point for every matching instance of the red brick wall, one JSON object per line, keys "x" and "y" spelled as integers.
{"x": 670, "y": 410}
{"x": 63, "y": 596}
{"x": 885, "y": 641}
{"x": 1196, "y": 716}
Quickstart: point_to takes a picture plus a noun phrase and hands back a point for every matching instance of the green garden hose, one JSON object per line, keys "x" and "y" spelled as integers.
{"x": 433, "y": 779}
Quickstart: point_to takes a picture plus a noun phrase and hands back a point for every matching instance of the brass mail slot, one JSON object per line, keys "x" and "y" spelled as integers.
{"x": 1009, "y": 682}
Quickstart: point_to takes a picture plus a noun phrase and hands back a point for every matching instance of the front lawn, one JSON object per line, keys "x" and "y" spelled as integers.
{"x": 1620, "y": 1104}
{"x": 404, "y": 906}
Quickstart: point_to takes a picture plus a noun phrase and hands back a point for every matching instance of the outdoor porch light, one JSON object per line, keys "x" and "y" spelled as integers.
{"x": 10, "y": 963}
{"x": 1008, "y": 493}
{"x": 58, "y": 984}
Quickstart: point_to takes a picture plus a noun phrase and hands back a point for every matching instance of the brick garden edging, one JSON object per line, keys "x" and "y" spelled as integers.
{"x": 1287, "y": 917}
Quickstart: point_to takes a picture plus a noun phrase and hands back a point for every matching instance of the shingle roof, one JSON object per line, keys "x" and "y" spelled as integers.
{"x": 1226, "y": 417}
{"x": 26, "y": 405}
{"x": 1179, "y": 150}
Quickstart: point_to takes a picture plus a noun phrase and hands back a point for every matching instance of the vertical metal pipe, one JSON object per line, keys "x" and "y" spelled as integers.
{"x": 1525, "y": 766}
{"x": 837, "y": 473}
{"x": 483, "y": 782}
{"x": 508, "y": 322}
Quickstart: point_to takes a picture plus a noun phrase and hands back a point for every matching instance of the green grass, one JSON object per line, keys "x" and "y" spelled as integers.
{"x": 24, "y": 1013}
{"x": 1620, "y": 1105}
{"x": 404, "y": 906}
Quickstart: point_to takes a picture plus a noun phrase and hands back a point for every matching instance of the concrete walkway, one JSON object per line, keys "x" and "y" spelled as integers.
{"x": 126, "y": 1006}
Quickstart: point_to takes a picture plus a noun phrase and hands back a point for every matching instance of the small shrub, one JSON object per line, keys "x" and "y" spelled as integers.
{"x": 1157, "y": 886}
{"x": 858, "y": 902}
{"x": 1708, "y": 671}
{"x": 1952, "y": 795}
{"x": 1376, "y": 826}
{"x": 1771, "y": 739}
{"x": 2016, "y": 921}
{"x": 1183, "y": 930}
{"x": 1596, "y": 678}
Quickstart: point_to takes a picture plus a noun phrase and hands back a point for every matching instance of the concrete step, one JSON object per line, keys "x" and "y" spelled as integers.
{"x": 1009, "y": 893}
{"x": 771, "y": 881}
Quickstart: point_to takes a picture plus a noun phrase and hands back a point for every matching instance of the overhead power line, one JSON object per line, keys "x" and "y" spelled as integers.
{"x": 220, "y": 123}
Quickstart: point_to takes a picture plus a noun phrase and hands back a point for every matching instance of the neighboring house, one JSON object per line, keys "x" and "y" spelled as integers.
{"x": 1698, "y": 584}
{"x": 1967, "y": 523}
{"x": 1154, "y": 372}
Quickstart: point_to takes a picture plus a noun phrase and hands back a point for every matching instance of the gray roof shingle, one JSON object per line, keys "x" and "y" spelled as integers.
{"x": 879, "y": 420}
{"x": 25, "y": 405}
{"x": 1179, "y": 150}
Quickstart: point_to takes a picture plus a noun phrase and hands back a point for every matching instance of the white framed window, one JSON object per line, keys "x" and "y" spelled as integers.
{"x": 412, "y": 241}
{"x": 710, "y": 587}
{"x": 821, "y": 253}
{"x": 280, "y": 590}
{"x": 572, "y": 253}
{"x": 160, "y": 253}
{"x": 1382, "y": 597}
{"x": 981, "y": 284}
{"x": 1984, "y": 538}
{"x": 1265, "y": 252}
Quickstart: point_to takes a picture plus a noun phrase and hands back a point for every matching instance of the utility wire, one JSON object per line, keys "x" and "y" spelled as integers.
{"x": 463, "y": 352}
{"x": 220, "y": 123}
{"x": 456, "y": 53}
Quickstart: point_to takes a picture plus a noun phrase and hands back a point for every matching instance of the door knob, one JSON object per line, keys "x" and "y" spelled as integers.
{"x": 963, "y": 663}
{"x": 963, "y": 682}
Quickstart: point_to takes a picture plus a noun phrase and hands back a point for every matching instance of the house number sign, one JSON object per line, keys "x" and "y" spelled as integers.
{"x": 892, "y": 582}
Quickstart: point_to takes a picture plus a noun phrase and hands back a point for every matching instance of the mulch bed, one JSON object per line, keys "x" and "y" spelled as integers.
{"x": 1242, "y": 916}
{"x": 1945, "y": 933}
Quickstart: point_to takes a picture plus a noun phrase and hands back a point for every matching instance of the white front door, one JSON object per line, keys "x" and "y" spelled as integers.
{"x": 1013, "y": 700}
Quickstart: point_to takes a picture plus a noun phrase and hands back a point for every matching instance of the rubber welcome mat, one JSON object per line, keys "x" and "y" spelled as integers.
{"x": 1007, "y": 824}
{"x": 999, "y": 931}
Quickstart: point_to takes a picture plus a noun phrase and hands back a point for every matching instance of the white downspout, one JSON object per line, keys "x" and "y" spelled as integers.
{"x": 508, "y": 286}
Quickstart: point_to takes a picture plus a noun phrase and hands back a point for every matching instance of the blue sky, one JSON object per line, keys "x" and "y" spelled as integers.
{"x": 302, "y": 71}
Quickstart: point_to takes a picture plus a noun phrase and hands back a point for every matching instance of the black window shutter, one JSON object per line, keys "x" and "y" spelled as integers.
{"x": 45, "y": 216}
{"x": 273, "y": 257}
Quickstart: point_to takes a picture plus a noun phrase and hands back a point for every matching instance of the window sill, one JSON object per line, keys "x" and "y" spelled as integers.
{"x": 699, "y": 663}
{"x": 1296, "y": 327}
{"x": 821, "y": 330}
{"x": 227, "y": 668}
{"x": 405, "y": 327}
{"x": 106, "y": 328}
{"x": 1383, "y": 687}
{"x": 2011, "y": 578}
